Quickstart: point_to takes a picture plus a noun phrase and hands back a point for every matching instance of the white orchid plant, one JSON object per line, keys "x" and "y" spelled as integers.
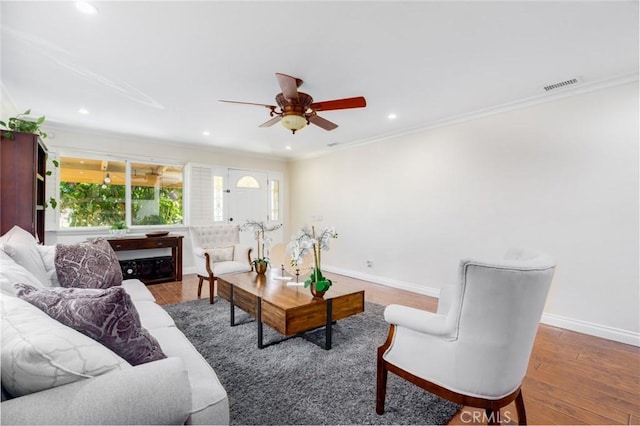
{"x": 305, "y": 240}
{"x": 259, "y": 230}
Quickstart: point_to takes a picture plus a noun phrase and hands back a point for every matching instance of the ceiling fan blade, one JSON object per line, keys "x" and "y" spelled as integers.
{"x": 289, "y": 85}
{"x": 271, "y": 122}
{"x": 346, "y": 103}
{"x": 248, "y": 103}
{"x": 321, "y": 122}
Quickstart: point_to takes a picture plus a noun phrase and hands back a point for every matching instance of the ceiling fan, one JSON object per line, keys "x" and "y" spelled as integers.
{"x": 297, "y": 109}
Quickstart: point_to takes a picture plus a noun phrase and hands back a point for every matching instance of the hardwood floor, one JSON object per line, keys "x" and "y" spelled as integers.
{"x": 572, "y": 378}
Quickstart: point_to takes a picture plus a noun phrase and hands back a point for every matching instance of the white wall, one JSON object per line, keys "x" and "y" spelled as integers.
{"x": 560, "y": 176}
{"x": 7, "y": 106}
{"x": 63, "y": 141}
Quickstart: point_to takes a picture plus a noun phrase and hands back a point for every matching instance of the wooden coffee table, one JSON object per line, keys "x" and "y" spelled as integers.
{"x": 290, "y": 310}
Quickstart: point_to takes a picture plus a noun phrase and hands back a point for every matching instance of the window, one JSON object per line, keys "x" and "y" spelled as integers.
{"x": 274, "y": 188}
{"x": 156, "y": 194}
{"x": 218, "y": 199}
{"x": 94, "y": 193}
{"x": 248, "y": 182}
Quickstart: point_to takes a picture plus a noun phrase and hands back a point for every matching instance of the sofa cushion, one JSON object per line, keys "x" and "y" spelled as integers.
{"x": 152, "y": 315}
{"x": 137, "y": 290}
{"x": 220, "y": 254}
{"x": 209, "y": 397}
{"x": 38, "y": 352}
{"x": 88, "y": 264}
{"x": 12, "y": 273}
{"x": 48, "y": 255}
{"x": 23, "y": 248}
{"x": 106, "y": 315}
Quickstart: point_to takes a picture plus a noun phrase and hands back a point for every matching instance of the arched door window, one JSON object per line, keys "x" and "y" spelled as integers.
{"x": 248, "y": 182}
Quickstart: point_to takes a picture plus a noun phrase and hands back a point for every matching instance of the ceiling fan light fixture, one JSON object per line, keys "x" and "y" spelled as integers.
{"x": 293, "y": 122}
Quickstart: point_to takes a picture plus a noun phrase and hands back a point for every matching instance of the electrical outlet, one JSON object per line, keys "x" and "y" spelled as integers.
{"x": 369, "y": 263}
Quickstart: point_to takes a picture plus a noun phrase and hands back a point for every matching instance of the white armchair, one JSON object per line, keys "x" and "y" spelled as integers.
{"x": 475, "y": 350}
{"x": 217, "y": 251}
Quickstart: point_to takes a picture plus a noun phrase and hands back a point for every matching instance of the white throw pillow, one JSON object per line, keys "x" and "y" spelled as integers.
{"x": 23, "y": 248}
{"x": 38, "y": 352}
{"x": 11, "y": 273}
{"x": 48, "y": 255}
{"x": 220, "y": 254}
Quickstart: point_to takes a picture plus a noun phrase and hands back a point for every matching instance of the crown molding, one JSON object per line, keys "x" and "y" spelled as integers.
{"x": 569, "y": 91}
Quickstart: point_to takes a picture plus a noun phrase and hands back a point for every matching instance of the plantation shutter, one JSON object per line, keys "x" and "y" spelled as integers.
{"x": 200, "y": 194}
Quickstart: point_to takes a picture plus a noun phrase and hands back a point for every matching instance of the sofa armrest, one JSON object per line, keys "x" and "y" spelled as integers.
{"x": 154, "y": 393}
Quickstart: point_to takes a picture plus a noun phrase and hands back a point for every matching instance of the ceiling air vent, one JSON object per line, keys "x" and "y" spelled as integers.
{"x": 562, "y": 84}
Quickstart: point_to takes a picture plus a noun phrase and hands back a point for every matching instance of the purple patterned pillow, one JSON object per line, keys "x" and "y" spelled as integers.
{"x": 106, "y": 315}
{"x": 89, "y": 264}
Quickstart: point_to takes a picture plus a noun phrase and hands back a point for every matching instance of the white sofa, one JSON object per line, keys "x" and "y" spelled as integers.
{"x": 181, "y": 388}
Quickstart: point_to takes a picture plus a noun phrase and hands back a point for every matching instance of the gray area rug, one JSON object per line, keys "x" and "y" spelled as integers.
{"x": 297, "y": 382}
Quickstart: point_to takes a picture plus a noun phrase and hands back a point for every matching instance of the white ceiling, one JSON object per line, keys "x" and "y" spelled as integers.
{"x": 157, "y": 68}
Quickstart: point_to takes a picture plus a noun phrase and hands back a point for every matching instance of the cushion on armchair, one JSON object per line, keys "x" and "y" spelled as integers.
{"x": 219, "y": 254}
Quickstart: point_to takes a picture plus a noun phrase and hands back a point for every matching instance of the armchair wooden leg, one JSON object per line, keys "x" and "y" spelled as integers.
{"x": 212, "y": 281}
{"x": 522, "y": 414}
{"x": 381, "y": 379}
{"x": 493, "y": 416}
{"x": 381, "y": 386}
{"x": 200, "y": 279}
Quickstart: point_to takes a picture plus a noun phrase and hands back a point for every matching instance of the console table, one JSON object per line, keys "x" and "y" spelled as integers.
{"x": 174, "y": 242}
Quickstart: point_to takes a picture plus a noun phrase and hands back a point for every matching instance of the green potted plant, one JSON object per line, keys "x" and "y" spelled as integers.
{"x": 302, "y": 242}
{"x": 20, "y": 123}
{"x": 259, "y": 229}
{"x": 118, "y": 229}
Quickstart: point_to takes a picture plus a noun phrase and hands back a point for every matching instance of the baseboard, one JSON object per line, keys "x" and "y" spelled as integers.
{"x": 389, "y": 282}
{"x": 592, "y": 329}
{"x": 189, "y": 270}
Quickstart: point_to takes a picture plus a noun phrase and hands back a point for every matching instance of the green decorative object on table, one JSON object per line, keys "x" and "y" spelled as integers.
{"x": 261, "y": 262}
{"x": 118, "y": 229}
{"x": 304, "y": 241}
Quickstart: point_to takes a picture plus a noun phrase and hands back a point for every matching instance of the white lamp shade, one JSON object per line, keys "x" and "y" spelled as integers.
{"x": 293, "y": 122}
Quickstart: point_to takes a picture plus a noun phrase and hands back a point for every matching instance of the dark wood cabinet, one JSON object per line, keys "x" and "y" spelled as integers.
{"x": 174, "y": 242}
{"x": 23, "y": 171}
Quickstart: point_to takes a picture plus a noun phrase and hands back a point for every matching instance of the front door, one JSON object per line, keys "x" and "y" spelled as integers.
{"x": 248, "y": 199}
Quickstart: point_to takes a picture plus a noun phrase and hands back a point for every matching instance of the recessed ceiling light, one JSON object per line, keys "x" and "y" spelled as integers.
{"x": 288, "y": 148}
{"x": 86, "y": 8}
{"x": 83, "y": 111}
{"x": 206, "y": 133}
{"x": 392, "y": 116}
